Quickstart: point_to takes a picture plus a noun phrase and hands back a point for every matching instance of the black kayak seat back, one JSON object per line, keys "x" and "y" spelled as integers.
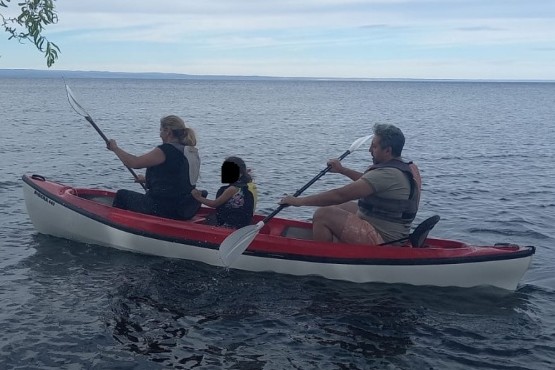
{"x": 419, "y": 235}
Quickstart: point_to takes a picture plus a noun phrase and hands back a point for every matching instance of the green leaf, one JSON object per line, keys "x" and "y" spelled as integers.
{"x": 34, "y": 16}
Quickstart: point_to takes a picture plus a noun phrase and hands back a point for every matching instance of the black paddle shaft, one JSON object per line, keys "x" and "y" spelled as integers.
{"x": 308, "y": 184}
{"x": 82, "y": 112}
{"x": 88, "y": 118}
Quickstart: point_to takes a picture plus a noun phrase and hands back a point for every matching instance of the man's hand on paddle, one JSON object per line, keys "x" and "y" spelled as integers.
{"x": 336, "y": 166}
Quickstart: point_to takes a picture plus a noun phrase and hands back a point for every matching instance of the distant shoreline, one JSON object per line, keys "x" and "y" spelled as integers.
{"x": 37, "y": 73}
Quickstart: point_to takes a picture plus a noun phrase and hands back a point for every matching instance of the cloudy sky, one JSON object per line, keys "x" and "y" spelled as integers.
{"x": 460, "y": 39}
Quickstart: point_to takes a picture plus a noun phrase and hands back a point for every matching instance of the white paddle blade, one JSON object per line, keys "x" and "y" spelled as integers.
{"x": 74, "y": 104}
{"x": 237, "y": 242}
{"x": 358, "y": 142}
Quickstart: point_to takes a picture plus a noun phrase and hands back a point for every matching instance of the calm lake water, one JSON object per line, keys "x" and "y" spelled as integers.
{"x": 486, "y": 154}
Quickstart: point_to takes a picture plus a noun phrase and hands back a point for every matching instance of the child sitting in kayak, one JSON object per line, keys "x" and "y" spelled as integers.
{"x": 234, "y": 203}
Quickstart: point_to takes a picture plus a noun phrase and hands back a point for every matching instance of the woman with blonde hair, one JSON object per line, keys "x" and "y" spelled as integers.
{"x": 172, "y": 171}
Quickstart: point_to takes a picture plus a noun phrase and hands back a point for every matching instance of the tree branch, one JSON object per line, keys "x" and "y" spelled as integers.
{"x": 29, "y": 25}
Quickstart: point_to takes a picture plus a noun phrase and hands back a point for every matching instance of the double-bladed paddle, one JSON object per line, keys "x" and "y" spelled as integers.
{"x": 82, "y": 112}
{"x": 238, "y": 241}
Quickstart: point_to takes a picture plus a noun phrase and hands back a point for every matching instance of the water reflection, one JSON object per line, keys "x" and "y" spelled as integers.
{"x": 182, "y": 314}
{"x": 178, "y": 314}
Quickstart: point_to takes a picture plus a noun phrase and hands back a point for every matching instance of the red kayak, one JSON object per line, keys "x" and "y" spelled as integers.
{"x": 281, "y": 246}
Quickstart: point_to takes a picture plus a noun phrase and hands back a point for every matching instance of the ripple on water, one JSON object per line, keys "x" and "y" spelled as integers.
{"x": 71, "y": 305}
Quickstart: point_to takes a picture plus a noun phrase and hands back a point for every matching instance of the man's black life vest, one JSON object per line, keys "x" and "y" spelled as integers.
{"x": 395, "y": 210}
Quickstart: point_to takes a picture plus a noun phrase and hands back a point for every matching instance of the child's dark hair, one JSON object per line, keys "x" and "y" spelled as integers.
{"x": 234, "y": 170}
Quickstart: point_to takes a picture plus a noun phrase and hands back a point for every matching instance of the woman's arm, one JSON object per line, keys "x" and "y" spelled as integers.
{"x": 153, "y": 158}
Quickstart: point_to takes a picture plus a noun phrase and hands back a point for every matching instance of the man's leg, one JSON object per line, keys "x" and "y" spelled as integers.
{"x": 340, "y": 223}
{"x": 328, "y": 222}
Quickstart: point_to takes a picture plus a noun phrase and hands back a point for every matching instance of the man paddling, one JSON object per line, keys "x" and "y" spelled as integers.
{"x": 387, "y": 195}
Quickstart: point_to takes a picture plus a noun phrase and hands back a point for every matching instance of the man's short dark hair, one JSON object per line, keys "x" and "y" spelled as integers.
{"x": 390, "y": 136}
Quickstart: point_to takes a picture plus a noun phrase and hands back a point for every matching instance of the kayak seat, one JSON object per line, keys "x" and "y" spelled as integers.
{"x": 418, "y": 237}
{"x": 297, "y": 233}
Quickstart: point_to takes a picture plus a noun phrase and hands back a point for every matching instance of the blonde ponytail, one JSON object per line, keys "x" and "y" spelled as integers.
{"x": 184, "y": 134}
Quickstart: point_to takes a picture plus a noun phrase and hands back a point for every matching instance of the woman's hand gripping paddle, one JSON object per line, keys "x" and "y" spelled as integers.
{"x": 238, "y": 241}
{"x": 82, "y": 112}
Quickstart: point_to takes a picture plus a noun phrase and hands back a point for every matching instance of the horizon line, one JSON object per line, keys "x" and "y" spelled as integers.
{"x": 21, "y": 72}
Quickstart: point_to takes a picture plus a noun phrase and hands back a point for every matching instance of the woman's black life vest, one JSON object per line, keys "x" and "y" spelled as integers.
{"x": 170, "y": 179}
